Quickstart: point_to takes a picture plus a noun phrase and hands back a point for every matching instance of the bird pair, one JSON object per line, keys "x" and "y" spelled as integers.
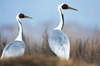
{"x": 58, "y": 41}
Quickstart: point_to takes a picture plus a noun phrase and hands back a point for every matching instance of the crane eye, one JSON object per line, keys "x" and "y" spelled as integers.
{"x": 65, "y": 6}
{"x": 21, "y": 15}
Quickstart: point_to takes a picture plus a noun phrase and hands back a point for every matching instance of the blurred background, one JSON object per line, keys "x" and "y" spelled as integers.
{"x": 45, "y": 14}
{"x": 82, "y": 26}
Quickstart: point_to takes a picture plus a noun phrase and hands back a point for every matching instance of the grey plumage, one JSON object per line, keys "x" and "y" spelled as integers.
{"x": 59, "y": 44}
{"x": 14, "y": 49}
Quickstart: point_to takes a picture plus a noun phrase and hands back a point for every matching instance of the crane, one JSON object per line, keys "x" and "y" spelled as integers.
{"x": 17, "y": 47}
{"x": 59, "y": 42}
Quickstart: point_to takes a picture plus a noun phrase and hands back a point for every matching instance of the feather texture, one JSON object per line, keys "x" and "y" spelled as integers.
{"x": 59, "y": 44}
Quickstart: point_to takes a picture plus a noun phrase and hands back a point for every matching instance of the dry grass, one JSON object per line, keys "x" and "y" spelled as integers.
{"x": 40, "y": 60}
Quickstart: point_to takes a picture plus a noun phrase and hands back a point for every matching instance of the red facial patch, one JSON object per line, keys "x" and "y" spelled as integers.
{"x": 65, "y": 6}
{"x": 21, "y": 15}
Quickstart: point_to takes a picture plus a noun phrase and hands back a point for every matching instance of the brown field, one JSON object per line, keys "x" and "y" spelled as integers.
{"x": 41, "y": 60}
{"x": 83, "y": 52}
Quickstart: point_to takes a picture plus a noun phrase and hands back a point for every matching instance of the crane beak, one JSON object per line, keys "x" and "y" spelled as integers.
{"x": 72, "y": 8}
{"x": 27, "y": 17}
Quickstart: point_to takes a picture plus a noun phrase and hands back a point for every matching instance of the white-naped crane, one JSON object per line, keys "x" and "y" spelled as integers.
{"x": 59, "y": 42}
{"x": 17, "y": 47}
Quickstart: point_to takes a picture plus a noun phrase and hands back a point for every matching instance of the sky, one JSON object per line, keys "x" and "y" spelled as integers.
{"x": 47, "y": 10}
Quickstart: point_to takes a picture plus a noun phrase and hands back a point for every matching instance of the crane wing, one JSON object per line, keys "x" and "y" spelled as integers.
{"x": 14, "y": 49}
{"x": 59, "y": 43}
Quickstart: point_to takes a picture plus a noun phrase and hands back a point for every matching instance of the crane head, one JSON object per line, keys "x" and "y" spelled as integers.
{"x": 21, "y": 15}
{"x": 65, "y": 6}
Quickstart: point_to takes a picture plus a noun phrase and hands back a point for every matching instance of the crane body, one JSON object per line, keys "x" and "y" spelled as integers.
{"x": 17, "y": 47}
{"x": 59, "y": 42}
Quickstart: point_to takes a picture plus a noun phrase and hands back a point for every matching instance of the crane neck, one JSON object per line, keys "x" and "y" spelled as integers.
{"x": 20, "y": 35}
{"x": 61, "y": 24}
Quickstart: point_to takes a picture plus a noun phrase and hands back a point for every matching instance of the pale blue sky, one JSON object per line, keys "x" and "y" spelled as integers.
{"x": 46, "y": 10}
